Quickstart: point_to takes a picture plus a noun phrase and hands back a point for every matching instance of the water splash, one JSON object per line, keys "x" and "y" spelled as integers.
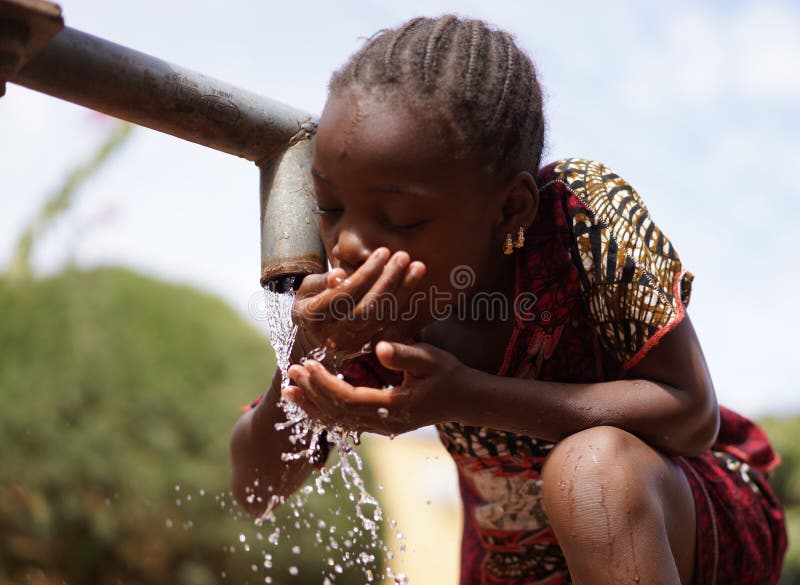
{"x": 307, "y": 431}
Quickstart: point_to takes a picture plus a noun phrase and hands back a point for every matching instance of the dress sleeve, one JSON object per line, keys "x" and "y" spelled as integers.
{"x": 630, "y": 276}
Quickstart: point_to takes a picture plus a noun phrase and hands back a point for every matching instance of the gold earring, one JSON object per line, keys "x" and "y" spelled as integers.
{"x": 520, "y": 238}
{"x": 508, "y": 246}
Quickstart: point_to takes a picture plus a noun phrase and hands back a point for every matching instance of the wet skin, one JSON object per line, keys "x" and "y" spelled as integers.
{"x": 398, "y": 213}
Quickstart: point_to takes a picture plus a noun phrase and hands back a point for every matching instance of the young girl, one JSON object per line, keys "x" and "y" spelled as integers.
{"x": 536, "y": 316}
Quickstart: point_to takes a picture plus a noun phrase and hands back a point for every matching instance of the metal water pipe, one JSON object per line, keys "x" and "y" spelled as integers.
{"x": 38, "y": 52}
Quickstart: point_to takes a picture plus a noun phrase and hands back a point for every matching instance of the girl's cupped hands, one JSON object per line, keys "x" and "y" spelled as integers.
{"x": 343, "y": 312}
{"x": 430, "y": 375}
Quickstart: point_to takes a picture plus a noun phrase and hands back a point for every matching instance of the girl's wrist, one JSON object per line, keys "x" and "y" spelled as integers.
{"x": 468, "y": 383}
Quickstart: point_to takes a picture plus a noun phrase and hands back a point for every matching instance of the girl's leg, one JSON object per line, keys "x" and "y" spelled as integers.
{"x": 621, "y": 511}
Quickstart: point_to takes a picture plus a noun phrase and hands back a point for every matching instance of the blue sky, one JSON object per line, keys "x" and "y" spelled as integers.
{"x": 697, "y": 104}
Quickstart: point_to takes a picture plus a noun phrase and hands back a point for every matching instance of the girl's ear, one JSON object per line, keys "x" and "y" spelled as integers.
{"x": 519, "y": 204}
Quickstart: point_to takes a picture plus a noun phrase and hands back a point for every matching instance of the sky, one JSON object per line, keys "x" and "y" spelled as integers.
{"x": 695, "y": 103}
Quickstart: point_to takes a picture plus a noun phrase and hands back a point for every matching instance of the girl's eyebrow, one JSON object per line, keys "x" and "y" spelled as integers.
{"x": 391, "y": 189}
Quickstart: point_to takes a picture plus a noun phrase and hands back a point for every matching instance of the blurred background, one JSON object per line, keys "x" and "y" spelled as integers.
{"x": 131, "y": 318}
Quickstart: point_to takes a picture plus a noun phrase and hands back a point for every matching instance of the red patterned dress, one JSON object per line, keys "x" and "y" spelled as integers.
{"x": 607, "y": 286}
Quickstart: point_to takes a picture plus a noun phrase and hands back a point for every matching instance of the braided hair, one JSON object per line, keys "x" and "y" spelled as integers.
{"x": 473, "y": 77}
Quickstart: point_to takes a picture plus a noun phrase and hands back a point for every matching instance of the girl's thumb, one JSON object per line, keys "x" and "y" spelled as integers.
{"x": 414, "y": 359}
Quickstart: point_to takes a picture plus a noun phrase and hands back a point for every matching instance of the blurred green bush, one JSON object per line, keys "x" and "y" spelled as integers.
{"x": 784, "y": 433}
{"x": 119, "y": 393}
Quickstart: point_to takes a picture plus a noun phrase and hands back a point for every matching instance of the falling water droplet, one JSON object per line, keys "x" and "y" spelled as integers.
{"x": 309, "y": 434}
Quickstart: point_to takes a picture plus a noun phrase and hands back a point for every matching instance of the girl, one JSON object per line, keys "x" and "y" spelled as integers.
{"x": 536, "y": 318}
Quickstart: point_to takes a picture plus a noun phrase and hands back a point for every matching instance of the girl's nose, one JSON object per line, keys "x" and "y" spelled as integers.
{"x": 350, "y": 251}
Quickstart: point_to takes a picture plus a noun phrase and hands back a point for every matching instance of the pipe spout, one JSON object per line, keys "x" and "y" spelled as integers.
{"x": 290, "y": 240}
{"x": 37, "y": 52}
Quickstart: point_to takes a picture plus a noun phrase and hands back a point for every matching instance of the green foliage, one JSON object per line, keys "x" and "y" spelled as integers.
{"x": 117, "y": 387}
{"x": 784, "y": 433}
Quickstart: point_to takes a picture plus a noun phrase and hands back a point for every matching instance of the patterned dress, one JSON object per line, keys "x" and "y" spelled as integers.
{"x": 597, "y": 285}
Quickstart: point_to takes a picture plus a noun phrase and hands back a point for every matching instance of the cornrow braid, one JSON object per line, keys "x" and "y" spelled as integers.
{"x": 474, "y": 47}
{"x": 395, "y": 38}
{"x": 510, "y": 54}
{"x": 430, "y": 48}
{"x": 475, "y": 78}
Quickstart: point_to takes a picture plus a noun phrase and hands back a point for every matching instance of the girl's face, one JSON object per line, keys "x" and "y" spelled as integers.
{"x": 384, "y": 176}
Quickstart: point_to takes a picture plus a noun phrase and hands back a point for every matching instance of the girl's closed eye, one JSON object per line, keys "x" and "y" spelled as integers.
{"x": 388, "y": 223}
{"x": 327, "y": 211}
{"x": 405, "y": 226}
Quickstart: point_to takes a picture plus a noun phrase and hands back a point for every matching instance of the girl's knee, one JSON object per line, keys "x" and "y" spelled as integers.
{"x": 608, "y": 450}
{"x": 600, "y": 471}
{"x": 603, "y": 488}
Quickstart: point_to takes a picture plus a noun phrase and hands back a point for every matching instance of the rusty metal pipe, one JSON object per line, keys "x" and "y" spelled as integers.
{"x": 92, "y": 72}
{"x": 101, "y": 75}
{"x": 290, "y": 242}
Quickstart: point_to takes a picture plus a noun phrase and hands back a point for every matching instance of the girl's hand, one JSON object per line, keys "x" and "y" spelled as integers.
{"x": 344, "y": 313}
{"x": 425, "y": 397}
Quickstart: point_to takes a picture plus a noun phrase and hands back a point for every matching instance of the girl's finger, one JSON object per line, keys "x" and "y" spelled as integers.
{"x": 411, "y": 279}
{"x": 382, "y": 295}
{"x": 312, "y": 393}
{"x": 312, "y": 284}
{"x": 336, "y": 277}
{"x": 307, "y": 302}
{"x": 416, "y": 359}
{"x": 409, "y": 307}
{"x": 297, "y": 396}
{"x": 358, "y": 283}
{"x": 351, "y": 399}
{"x": 349, "y": 292}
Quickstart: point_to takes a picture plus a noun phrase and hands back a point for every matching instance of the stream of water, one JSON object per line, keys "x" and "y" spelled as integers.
{"x": 308, "y": 431}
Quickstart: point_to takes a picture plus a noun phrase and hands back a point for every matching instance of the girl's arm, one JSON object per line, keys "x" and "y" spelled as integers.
{"x": 258, "y": 472}
{"x": 669, "y": 400}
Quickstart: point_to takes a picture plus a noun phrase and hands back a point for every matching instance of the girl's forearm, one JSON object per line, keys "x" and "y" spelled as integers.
{"x": 671, "y": 420}
{"x": 258, "y": 471}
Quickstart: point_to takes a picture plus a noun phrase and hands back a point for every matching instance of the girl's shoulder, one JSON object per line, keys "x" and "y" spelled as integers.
{"x": 595, "y": 188}
{"x": 629, "y": 274}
